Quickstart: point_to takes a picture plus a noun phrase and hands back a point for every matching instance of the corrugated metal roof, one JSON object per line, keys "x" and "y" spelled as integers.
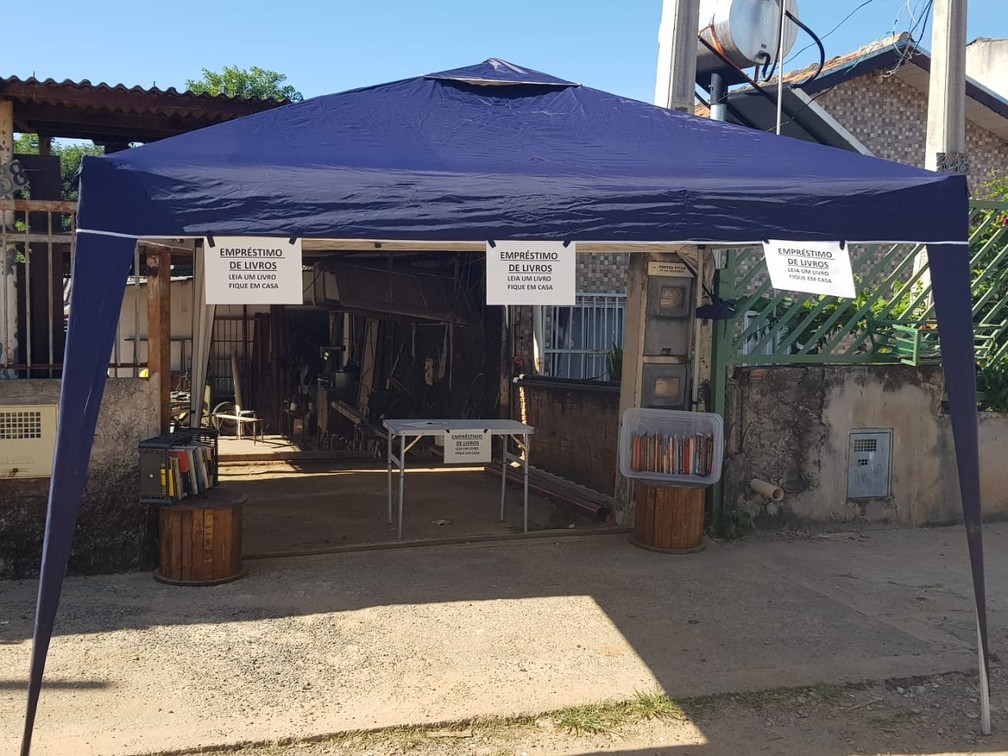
{"x": 58, "y": 89}
{"x": 80, "y": 109}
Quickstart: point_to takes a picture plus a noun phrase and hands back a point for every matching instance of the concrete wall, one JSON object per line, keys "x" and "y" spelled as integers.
{"x": 114, "y": 532}
{"x": 987, "y": 64}
{"x": 576, "y": 427}
{"x": 791, "y": 426}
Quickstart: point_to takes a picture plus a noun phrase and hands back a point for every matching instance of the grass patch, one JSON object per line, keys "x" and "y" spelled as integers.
{"x": 656, "y": 705}
{"x": 596, "y": 718}
{"x": 608, "y": 717}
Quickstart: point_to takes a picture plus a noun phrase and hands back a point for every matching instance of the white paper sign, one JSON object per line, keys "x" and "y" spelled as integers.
{"x": 531, "y": 273}
{"x": 814, "y": 267}
{"x": 466, "y": 446}
{"x": 253, "y": 270}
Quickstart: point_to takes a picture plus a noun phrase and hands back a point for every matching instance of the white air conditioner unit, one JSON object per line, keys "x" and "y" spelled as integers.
{"x": 27, "y": 440}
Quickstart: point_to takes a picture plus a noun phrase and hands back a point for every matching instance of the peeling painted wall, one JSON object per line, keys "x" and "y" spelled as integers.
{"x": 791, "y": 426}
{"x": 114, "y": 532}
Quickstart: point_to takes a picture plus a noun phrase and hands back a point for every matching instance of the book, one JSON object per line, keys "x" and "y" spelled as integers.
{"x": 175, "y": 485}
{"x": 671, "y": 454}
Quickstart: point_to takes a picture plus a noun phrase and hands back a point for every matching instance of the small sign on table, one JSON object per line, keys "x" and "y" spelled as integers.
{"x": 471, "y": 446}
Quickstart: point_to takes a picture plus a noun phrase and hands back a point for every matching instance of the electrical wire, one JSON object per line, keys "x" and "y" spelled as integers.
{"x": 777, "y": 47}
{"x": 911, "y": 49}
{"x": 822, "y": 51}
{"x": 905, "y": 55}
{"x": 842, "y": 22}
{"x": 815, "y": 97}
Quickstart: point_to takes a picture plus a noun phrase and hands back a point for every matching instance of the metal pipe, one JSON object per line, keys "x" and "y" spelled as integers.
{"x": 780, "y": 63}
{"x": 504, "y": 469}
{"x": 538, "y": 339}
{"x": 701, "y": 250}
{"x": 28, "y": 287}
{"x": 718, "y": 98}
{"x": 5, "y": 355}
{"x": 50, "y": 271}
{"x": 136, "y": 310}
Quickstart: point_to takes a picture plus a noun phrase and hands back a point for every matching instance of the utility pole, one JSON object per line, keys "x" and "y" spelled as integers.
{"x": 675, "y": 86}
{"x": 945, "y": 145}
{"x": 946, "y": 124}
{"x": 946, "y": 152}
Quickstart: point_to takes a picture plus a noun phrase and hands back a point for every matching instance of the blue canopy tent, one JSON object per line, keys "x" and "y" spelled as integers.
{"x": 492, "y": 151}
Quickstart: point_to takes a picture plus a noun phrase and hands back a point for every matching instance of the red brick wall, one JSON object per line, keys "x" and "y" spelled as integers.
{"x": 576, "y": 425}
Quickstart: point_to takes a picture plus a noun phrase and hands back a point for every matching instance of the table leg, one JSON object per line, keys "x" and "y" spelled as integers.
{"x": 504, "y": 467}
{"x": 388, "y": 454}
{"x": 402, "y": 477}
{"x": 526, "y": 480}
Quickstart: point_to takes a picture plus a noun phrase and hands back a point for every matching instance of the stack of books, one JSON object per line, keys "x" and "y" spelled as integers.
{"x": 670, "y": 454}
{"x": 187, "y": 470}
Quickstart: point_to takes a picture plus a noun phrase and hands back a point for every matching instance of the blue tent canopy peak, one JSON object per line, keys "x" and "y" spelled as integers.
{"x": 497, "y": 72}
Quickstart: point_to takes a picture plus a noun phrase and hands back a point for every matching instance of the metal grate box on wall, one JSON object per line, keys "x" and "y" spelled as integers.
{"x": 27, "y": 440}
{"x": 869, "y": 462}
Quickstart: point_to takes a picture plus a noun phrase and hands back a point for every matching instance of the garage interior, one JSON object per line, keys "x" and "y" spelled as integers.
{"x": 382, "y": 334}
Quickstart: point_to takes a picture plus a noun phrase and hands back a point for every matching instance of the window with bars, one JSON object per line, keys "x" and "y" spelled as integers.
{"x": 579, "y": 338}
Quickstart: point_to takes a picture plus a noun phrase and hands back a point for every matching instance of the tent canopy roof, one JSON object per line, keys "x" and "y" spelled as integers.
{"x": 492, "y": 151}
{"x": 497, "y": 151}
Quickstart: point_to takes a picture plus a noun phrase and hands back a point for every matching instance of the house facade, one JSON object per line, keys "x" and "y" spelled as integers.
{"x": 873, "y": 101}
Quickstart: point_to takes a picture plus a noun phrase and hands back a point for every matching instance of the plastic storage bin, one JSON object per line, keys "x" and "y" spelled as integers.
{"x": 671, "y": 447}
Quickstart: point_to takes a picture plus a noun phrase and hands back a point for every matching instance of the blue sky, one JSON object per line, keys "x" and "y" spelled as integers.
{"x": 330, "y": 45}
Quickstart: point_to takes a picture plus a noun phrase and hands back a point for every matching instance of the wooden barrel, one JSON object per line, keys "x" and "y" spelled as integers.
{"x": 201, "y": 544}
{"x": 669, "y": 519}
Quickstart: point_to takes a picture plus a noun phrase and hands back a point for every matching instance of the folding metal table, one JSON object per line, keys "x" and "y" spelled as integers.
{"x": 409, "y": 433}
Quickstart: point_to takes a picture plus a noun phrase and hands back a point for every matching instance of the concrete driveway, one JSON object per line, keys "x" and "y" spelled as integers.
{"x": 321, "y": 644}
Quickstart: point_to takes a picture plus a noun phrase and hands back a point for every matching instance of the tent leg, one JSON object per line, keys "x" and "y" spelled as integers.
{"x": 101, "y": 267}
{"x": 951, "y": 285}
{"x": 985, "y": 711}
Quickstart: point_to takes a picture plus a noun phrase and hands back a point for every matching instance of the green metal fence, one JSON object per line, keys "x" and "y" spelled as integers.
{"x": 891, "y": 320}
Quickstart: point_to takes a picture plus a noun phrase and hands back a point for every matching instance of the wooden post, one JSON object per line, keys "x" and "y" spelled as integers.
{"x": 159, "y": 327}
{"x": 633, "y": 348}
{"x": 277, "y": 378}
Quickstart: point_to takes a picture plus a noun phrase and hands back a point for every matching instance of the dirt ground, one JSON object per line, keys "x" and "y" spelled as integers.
{"x": 517, "y": 642}
{"x": 929, "y": 715}
{"x": 314, "y": 506}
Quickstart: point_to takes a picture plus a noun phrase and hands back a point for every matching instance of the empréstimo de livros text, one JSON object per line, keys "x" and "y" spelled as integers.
{"x": 250, "y": 252}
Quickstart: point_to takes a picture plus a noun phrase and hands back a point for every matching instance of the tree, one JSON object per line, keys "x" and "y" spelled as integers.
{"x": 258, "y": 83}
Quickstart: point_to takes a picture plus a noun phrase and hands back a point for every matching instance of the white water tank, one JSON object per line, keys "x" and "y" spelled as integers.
{"x": 744, "y": 31}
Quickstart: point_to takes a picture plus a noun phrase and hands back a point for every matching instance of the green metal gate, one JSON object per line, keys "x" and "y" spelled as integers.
{"x": 891, "y": 320}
